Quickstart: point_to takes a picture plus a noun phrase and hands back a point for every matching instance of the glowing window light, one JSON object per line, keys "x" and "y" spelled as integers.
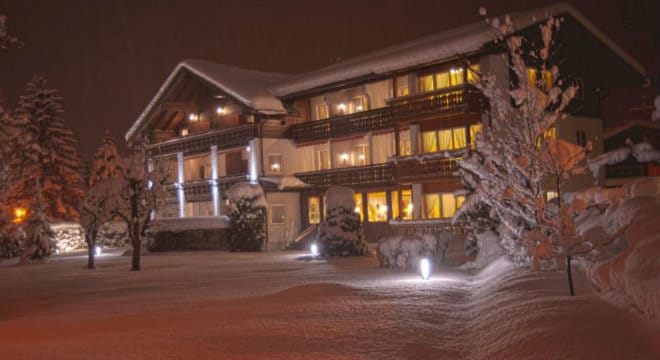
{"x": 361, "y": 157}
{"x": 341, "y": 107}
{"x": 19, "y": 215}
{"x": 275, "y": 167}
{"x": 193, "y": 117}
{"x": 314, "y": 249}
{"x": 97, "y": 250}
{"x": 344, "y": 157}
{"x": 219, "y": 110}
{"x": 359, "y": 108}
{"x": 425, "y": 268}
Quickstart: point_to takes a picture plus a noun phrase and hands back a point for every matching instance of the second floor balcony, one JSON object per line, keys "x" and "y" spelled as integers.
{"x": 417, "y": 169}
{"x": 339, "y": 126}
{"x": 228, "y": 138}
{"x": 443, "y": 102}
{"x": 356, "y": 177}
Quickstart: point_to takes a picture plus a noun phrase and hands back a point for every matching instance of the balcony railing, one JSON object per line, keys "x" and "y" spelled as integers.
{"x": 457, "y": 99}
{"x": 339, "y": 126}
{"x": 201, "y": 143}
{"x": 413, "y": 168}
{"x": 361, "y": 176}
{"x": 201, "y": 189}
{"x": 627, "y": 170}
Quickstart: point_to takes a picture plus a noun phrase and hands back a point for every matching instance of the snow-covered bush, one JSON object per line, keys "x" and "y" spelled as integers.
{"x": 627, "y": 269}
{"x": 113, "y": 234}
{"x": 68, "y": 236}
{"x": 39, "y": 240}
{"x": 247, "y": 217}
{"x": 10, "y": 243}
{"x": 489, "y": 249}
{"x": 340, "y": 234}
{"x": 406, "y": 251}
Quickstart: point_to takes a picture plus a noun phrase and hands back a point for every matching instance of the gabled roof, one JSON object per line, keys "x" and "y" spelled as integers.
{"x": 262, "y": 91}
{"x": 246, "y": 86}
{"x": 444, "y": 45}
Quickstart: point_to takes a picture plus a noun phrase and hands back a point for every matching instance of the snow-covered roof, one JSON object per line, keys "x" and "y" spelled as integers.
{"x": 260, "y": 90}
{"x": 285, "y": 182}
{"x": 447, "y": 44}
{"x": 246, "y": 86}
{"x": 630, "y": 124}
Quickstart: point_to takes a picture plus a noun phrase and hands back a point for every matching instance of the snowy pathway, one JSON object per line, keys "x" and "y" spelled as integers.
{"x": 246, "y": 306}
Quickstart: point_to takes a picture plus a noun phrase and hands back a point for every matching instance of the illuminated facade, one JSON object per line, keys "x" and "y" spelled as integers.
{"x": 388, "y": 124}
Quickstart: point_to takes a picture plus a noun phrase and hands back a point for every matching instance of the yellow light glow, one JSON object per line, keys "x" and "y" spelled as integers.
{"x": 344, "y": 157}
{"x": 19, "y": 215}
{"x": 193, "y": 117}
{"x": 342, "y": 107}
{"x": 275, "y": 167}
{"x": 219, "y": 110}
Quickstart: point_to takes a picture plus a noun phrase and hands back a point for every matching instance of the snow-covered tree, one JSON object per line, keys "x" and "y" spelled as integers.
{"x": 39, "y": 242}
{"x": 141, "y": 193}
{"x": 97, "y": 209}
{"x": 340, "y": 234}
{"x": 247, "y": 217}
{"x": 7, "y": 40}
{"x": 107, "y": 161}
{"x": 44, "y": 151}
{"x": 515, "y": 162}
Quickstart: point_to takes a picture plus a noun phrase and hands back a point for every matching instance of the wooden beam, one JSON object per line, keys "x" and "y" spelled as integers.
{"x": 187, "y": 107}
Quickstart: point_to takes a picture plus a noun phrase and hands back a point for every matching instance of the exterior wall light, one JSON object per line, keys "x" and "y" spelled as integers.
{"x": 219, "y": 110}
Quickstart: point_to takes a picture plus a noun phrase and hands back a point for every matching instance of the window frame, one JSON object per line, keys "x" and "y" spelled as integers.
{"x": 271, "y": 217}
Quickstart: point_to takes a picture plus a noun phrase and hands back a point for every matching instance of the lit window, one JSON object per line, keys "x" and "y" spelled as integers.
{"x": 377, "y": 206}
{"x": 277, "y": 214}
{"x": 403, "y": 209}
{"x": 431, "y": 206}
{"x": 323, "y": 159}
{"x": 405, "y": 147}
{"x": 442, "y": 80}
{"x": 402, "y": 86}
{"x": 474, "y": 129}
{"x": 322, "y": 111}
{"x": 184, "y": 132}
{"x": 314, "y": 210}
{"x": 445, "y": 140}
{"x": 473, "y": 73}
{"x": 358, "y": 205}
{"x": 551, "y": 133}
{"x": 430, "y": 141}
{"x": 359, "y": 104}
{"x": 456, "y": 76}
{"x": 362, "y": 152}
{"x": 341, "y": 108}
{"x": 426, "y": 83}
{"x": 551, "y": 195}
{"x": 275, "y": 163}
{"x": 531, "y": 76}
{"x": 448, "y": 205}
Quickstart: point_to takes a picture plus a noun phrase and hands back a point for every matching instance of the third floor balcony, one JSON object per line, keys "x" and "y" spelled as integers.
{"x": 339, "y": 126}
{"x": 438, "y": 103}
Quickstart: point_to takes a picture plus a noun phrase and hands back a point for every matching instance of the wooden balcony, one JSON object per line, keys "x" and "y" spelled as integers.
{"x": 356, "y": 177}
{"x": 443, "y": 102}
{"x": 201, "y": 189}
{"x": 340, "y": 126}
{"x": 201, "y": 143}
{"x": 416, "y": 169}
{"x": 631, "y": 170}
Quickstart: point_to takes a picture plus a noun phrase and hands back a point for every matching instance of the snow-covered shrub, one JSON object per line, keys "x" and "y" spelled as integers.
{"x": 627, "y": 270}
{"x": 113, "y": 234}
{"x": 247, "y": 217}
{"x": 10, "y": 242}
{"x": 68, "y": 236}
{"x": 406, "y": 251}
{"x": 489, "y": 249}
{"x": 340, "y": 234}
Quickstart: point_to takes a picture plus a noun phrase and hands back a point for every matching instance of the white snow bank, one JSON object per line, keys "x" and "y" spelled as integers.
{"x": 285, "y": 182}
{"x": 490, "y": 250}
{"x": 630, "y": 278}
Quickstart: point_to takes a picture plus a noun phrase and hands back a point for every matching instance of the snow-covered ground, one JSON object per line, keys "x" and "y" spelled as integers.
{"x": 243, "y": 306}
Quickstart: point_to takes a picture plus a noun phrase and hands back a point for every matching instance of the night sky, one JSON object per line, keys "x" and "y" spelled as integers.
{"x": 108, "y": 58}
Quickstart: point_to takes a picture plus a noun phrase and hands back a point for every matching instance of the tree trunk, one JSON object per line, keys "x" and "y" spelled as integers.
{"x": 136, "y": 256}
{"x": 570, "y": 276}
{"x": 91, "y": 251}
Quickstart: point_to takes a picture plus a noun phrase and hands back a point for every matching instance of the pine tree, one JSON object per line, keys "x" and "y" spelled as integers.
{"x": 247, "y": 217}
{"x": 48, "y": 154}
{"x": 107, "y": 161}
{"x": 340, "y": 234}
{"x": 7, "y": 40}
